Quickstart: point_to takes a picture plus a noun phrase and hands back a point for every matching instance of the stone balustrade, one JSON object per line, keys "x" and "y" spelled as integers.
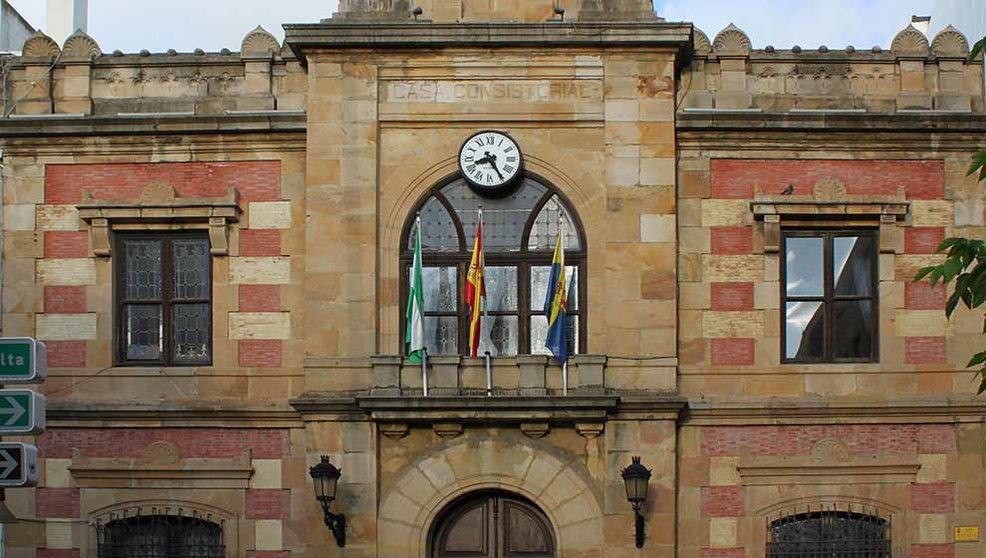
{"x": 727, "y": 73}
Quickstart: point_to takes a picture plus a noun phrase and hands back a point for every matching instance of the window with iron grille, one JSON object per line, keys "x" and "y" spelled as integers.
{"x": 164, "y": 299}
{"x": 829, "y": 534}
{"x": 829, "y": 296}
{"x": 160, "y": 536}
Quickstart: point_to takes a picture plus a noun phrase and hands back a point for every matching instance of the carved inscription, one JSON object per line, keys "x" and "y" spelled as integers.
{"x": 540, "y": 91}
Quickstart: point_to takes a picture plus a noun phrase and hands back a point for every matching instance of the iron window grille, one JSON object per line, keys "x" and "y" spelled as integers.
{"x": 829, "y": 296}
{"x": 163, "y": 292}
{"x": 160, "y": 534}
{"x": 830, "y": 534}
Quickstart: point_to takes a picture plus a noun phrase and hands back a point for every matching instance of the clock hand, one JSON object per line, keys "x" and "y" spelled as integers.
{"x": 491, "y": 159}
{"x": 482, "y": 160}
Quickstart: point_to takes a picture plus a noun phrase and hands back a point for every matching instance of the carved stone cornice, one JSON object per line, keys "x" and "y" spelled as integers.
{"x": 72, "y": 414}
{"x": 161, "y": 466}
{"x": 160, "y": 207}
{"x": 829, "y": 463}
{"x": 545, "y": 409}
{"x": 829, "y": 201}
{"x": 806, "y": 411}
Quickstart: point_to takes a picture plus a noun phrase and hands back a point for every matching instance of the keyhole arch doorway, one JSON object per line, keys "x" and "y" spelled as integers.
{"x": 492, "y": 524}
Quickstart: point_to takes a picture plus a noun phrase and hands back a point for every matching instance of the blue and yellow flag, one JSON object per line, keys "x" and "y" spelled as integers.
{"x": 555, "y": 305}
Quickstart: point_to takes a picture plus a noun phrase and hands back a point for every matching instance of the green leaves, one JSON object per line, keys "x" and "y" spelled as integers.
{"x": 978, "y": 164}
{"x": 980, "y": 46}
{"x": 965, "y": 263}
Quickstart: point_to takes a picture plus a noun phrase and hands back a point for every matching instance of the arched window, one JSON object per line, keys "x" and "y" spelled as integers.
{"x": 829, "y": 534}
{"x": 519, "y": 233}
{"x": 159, "y": 536}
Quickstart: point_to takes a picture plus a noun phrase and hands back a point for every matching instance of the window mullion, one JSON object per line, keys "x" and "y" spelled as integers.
{"x": 166, "y": 307}
{"x": 828, "y": 304}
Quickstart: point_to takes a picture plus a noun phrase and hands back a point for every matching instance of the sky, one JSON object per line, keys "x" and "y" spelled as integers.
{"x": 157, "y": 25}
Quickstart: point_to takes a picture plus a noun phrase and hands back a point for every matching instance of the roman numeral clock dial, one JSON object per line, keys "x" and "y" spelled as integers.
{"x": 490, "y": 162}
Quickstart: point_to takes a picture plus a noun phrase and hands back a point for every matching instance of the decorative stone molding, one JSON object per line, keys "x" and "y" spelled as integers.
{"x": 447, "y": 430}
{"x": 701, "y": 42}
{"x": 259, "y": 42}
{"x": 481, "y": 409}
{"x": 394, "y": 430}
{"x": 910, "y": 42}
{"x": 732, "y": 40}
{"x": 161, "y": 466}
{"x": 372, "y": 10}
{"x": 829, "y": 463}
{"x": 950, "y": 43}
{"x": 81, "y": 46}
{"x": 829, "y": 201}
{"x": 40, "y": 47}
{"x": 159, "y": 207}
{"x": 180, "y": 508}
{"x": 535, "y": 430}
{"x": 589, "y": 430}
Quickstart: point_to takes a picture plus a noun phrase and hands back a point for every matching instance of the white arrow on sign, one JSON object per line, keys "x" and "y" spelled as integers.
{"x": 8, "y": 462}
{"x": 15, "y": 411}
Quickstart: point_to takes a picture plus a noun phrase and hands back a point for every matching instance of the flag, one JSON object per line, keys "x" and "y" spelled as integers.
{"x": 555, "y": 305}
{"x": 415, "y": 315}
{"x": 476, "y": 289}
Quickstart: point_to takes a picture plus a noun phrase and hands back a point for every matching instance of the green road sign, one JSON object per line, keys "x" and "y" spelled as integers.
{"x": 22, "y": 411}
{"x": 18, "y": 465}
{"x": 22, "y": 360}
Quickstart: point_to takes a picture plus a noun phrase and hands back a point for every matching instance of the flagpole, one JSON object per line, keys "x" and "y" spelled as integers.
{"x": 424, "y": 371}
{"x": 487, "y": 356}
{"x": 564, "y": 365}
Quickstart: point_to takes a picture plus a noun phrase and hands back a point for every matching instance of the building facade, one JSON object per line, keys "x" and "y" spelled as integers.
{"x": 215, "y": 248}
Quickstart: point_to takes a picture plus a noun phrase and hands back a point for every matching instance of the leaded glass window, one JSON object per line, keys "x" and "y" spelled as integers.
{"x": 829, "y": 534}
{"x": 519, "y": 231}
{"x": 164, "y": 299}
{"x": 829, "y": 296}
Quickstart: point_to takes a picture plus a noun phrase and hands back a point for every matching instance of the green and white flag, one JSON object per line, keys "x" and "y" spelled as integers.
{"x": 415, "y": 336}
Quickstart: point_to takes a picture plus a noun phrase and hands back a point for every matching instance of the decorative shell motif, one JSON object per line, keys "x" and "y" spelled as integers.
{"x": 40, "y": 45}
{"x": 80, "y": 45}
{"x": 161, "y": 453}
{"x": 701, "y": 42}
{"x": 950, "y": 42}
{"x": 910, "y": 41}
{"x": 731, "y": 40}
{"x": 830, "y": 450}
{"x": 829, "y": 189}
{"x": 259, "y": 41}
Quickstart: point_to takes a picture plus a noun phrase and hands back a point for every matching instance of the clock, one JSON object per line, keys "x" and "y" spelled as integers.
{"x": 490, "y": 162}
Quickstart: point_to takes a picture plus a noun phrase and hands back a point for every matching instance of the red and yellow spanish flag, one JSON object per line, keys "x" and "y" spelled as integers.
{"x": 476, "y": 289}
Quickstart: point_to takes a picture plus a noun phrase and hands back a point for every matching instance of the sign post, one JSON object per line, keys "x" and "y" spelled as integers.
{"x": 23, "y": 360}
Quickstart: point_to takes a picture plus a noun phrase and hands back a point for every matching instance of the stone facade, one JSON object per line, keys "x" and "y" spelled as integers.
{"x": 304, "y": 163}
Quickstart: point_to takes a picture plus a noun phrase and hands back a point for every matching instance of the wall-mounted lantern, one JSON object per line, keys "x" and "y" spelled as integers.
{"x": 635, "y": 478}
{"x": 326, "y": 478}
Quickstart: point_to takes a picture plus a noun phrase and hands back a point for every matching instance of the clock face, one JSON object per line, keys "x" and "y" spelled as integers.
{"x": 490, "y": 161}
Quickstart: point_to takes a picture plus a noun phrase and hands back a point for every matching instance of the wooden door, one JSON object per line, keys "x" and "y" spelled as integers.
{"x": 493, "y": 525}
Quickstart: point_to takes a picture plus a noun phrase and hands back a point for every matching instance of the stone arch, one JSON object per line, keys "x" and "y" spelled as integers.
{"x": 80, "y": 45}
{"x": 259, "y": 41}
{"x": 731, "y": 40}
{"x": 950, "y": 42}
{"x": 910, "y": 41}
{"x": 561, "y": 488}
{"x": 40, "y": 45}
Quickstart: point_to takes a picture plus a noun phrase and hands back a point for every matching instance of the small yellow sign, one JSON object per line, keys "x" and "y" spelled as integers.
{"x": 967, "y": 533}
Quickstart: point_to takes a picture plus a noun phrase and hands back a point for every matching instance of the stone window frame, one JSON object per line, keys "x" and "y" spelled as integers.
{"x": 827, "y": 207}
{"x": 159, "y": 210}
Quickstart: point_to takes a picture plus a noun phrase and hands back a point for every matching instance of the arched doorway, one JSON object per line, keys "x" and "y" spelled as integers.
{"x": 492, "y": 524}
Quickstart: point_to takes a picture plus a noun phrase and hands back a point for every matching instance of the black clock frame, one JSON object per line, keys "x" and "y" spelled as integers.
{"x": 486, "y": 190}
